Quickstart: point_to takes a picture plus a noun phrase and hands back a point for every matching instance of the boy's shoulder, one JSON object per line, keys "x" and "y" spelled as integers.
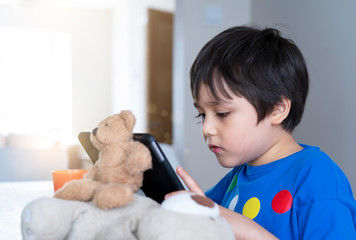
{"x": 319, "y": 176}
{"x": 315, "y": 161}
{"x": 313, "y": 157}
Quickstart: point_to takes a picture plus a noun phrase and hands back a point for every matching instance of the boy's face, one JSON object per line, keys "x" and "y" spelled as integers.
{"x": 230, "y": 129}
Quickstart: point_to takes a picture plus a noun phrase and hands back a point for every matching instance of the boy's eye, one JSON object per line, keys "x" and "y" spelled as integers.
{"x": 222, "y": 115}
{"x": 201, "y": 116}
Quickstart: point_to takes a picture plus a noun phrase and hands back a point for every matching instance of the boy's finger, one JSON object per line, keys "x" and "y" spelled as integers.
{"x": 189, "y": 181}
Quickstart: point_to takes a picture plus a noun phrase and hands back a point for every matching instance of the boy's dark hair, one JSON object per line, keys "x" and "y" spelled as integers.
{"x": 258, "y": 64}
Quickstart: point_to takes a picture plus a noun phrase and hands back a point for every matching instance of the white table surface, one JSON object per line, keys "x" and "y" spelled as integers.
{"x": 13, "y": 198}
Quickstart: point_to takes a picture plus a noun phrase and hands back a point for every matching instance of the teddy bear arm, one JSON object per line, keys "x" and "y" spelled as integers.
{"x": 139, "y": 159}
{"x": 92, "y": 172}
{"x": 82, "y": 190}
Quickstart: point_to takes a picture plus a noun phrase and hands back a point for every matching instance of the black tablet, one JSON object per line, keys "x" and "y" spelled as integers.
{"x": 159, "y": 180}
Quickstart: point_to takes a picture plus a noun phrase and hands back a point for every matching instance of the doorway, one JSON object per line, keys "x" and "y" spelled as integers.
{"x": 159, "y": 75}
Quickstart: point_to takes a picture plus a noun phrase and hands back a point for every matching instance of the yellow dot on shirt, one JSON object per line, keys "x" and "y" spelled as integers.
{"x": 251, "y": 208}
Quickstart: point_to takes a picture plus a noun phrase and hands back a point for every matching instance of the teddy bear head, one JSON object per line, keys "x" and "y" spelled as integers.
{"x": 113, "y": 129}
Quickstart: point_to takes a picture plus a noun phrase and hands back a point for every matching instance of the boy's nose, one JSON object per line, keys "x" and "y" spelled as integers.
{"x": 208, "y": 128}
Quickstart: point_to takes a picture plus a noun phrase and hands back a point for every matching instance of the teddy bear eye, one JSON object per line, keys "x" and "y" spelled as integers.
{"x": 106, "y": 124}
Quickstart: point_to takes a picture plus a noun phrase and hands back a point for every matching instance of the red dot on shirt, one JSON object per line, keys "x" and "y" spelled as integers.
{"x": 282, "y": 202}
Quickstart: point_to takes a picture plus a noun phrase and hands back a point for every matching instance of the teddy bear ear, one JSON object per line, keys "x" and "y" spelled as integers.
{"x": 129, "y": 118}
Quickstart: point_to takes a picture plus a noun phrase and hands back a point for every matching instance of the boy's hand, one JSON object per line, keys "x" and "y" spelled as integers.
{"x": 189, "y": 182}
{"x": 243, "y": 227}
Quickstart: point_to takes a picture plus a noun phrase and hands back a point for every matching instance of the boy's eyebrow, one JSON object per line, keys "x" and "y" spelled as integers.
{"x": 214, "y": 103}
{"x": 196, "y": 105}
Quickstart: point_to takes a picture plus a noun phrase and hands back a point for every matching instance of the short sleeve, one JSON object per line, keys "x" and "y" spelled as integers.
{"x": 326, "y": 219}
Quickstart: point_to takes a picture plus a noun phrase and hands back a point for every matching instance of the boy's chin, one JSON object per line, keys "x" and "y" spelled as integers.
{"x": 226, "y": 162}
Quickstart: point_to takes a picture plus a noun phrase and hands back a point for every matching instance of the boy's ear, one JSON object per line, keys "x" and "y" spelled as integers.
{"x": 281, "y": 111}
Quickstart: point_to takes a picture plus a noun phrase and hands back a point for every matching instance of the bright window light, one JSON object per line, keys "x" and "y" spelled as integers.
{"x": 35, "y": 81}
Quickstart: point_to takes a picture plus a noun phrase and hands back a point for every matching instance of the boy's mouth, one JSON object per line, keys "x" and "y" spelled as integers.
{"x": 214, "y": 148}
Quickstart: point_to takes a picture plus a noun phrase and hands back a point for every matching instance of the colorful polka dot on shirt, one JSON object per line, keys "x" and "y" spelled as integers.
{"x": 233, "y": 203}
{"x": 281, "y": 203}
{"x": 232, "y": 184}
{"x": 251, "y": 208}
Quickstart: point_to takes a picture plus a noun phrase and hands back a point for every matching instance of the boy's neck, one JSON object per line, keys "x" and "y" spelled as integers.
{"x": 284, "y": 146}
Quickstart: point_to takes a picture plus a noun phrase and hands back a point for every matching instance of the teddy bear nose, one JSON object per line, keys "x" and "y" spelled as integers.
{"x": 94, "y": 131}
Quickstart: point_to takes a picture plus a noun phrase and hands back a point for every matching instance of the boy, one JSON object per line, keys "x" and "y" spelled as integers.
{"x": 249, "y": 87}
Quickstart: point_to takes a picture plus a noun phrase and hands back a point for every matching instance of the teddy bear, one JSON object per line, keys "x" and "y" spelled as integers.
{"x": 107, "y": 204}
{"x": 112, "y": 181}
{"x": 183, "y": 216}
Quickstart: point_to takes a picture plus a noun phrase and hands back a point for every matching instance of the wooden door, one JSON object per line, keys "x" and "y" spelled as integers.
{"x": 159, "y": 70}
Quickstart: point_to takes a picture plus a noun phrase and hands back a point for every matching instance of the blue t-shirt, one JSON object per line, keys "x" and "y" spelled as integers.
{"x": 302, "y": 196}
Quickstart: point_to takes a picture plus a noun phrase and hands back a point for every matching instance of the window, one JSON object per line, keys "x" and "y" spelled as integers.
{"x": 35, "y": 81}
